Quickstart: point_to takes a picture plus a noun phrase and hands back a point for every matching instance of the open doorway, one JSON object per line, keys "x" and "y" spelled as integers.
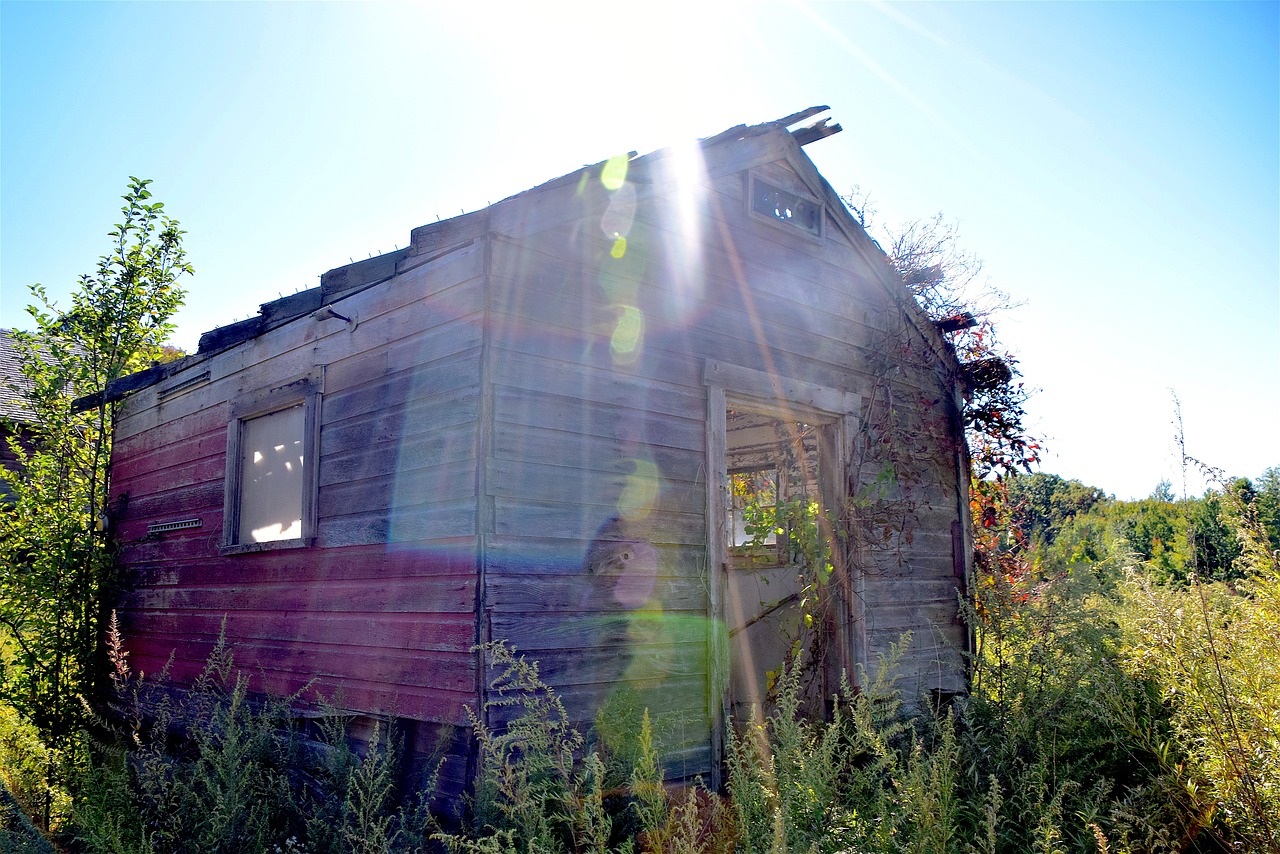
{"x": 781, "y": 467}
{"x": 773, "y": 442}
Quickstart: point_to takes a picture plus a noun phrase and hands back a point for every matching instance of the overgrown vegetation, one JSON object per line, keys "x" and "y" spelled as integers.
{"x": 1110, "y": 711}
{"x": 218, "y": 768}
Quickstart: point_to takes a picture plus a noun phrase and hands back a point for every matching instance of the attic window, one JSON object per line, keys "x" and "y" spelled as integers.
{"x": 786, "y": 207}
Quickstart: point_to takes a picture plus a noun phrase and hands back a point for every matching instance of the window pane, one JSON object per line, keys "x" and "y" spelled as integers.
{"x": 271, "y": 476}
{"x": 753, "y": 498}
{"x": 786, "y": 207}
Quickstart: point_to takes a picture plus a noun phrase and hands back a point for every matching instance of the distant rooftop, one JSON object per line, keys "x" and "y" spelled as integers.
{"x": 12, "y": 403}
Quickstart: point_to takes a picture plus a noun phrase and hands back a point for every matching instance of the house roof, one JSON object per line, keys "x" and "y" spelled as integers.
{"x": 430, "y": 241}
{"x": 13, "y": 404}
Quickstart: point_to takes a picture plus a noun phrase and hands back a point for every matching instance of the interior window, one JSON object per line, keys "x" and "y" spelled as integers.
{"x": 752, "y": 503}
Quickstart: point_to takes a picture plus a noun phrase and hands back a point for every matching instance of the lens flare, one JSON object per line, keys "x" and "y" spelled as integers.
{"x": 614, "y": 174}
{"x": 641, "y": 491}
{"x": 627, "y": 335}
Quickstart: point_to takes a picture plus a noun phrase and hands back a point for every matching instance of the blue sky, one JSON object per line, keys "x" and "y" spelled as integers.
{"x": 1116, "y": 165}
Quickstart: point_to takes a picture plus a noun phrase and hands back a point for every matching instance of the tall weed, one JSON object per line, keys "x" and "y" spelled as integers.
{"x": 533, "y": 792}
{"x": 215, "y": 768}
{"x": 1214, "y": 651}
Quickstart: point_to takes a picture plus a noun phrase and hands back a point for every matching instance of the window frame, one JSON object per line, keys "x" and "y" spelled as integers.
{"x": 745, "y": 555}
{"x": 753, "y": 180}
{"x": 305, "y": 391}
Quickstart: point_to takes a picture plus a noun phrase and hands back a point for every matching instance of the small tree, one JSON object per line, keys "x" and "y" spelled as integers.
{"x": 55, "y": 564}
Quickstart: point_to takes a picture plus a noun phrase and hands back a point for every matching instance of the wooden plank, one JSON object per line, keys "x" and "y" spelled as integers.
{"x": 532, "y": 633}
{"x": 452, "y": 481}
{"x": 721, "y": 332}
{"x": 420, "y": 280}
{"x": 414, "y": 632}
{"x": 737, "y": 329}
{"x": 429, "y": 595}
{"x": 717, "y": 536}
{"x": 184, "y": 544}
{"x": 550, "y": 376}
{"x": 582, "y": 593}
{"x": 564, "y": 200}
{"x": 399, "y": 421}
{"x": 129, "y": 469}
{"x": 456, "y": 558}
{"x": 204, "y": 544}
{"x": 182, "y": 501}
{"x": 676, "y": 703}
{"x": 397, "y": 701}
{"x": 916, "y": 617}
{"x": 529, "y": 556}
{"x": 428, "y": 522}
{"x": 555, "y": 483}
{"x": 294, "y": 349}
{"x": 577, "y": 328}
{"x": 513, "y": 517}
{"x": 131, "y": 442}
{"x": 559, "y": 412}
{"x": 740, "y": 380}
{"x": 779, "y": 269}
{"x": 176, "y": 468}
{"x": 412, "y": 336}
{"x": 455, "y": 372}
{"x": 592, "y": 453}
{"x": 650, "y": 662}
{"x": 451, "y": 445}
{"x": 449, "y": 671}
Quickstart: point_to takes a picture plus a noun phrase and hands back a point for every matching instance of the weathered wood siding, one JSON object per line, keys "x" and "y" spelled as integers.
{"x": 596, "y": 372}
{"x": 379, "y": 615}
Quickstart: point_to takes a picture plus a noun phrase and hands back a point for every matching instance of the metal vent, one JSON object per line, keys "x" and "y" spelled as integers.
{"x": 162, "y": 527}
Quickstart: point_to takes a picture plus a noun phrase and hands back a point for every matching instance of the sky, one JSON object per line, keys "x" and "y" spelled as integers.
{"x": 1115, "y": 165}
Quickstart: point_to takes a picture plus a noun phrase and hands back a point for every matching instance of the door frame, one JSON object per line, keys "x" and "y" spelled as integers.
{"x": 790, "y": 399}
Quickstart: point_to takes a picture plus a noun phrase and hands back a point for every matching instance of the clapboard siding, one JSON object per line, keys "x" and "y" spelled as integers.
{"x": 419, "y": 632}
{"x": 591, "y": 594}
{"x": 526, "y": 480}
{"x": 365, "y": 563}
{"x": 788, "y": 325}
{"x": 729, "y": 303}
{"x": 559, "y": 412}
{"x": 398, "y": 595}
{"x": 380, "y": 614}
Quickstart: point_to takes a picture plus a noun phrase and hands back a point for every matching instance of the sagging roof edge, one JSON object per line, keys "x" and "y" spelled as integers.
{"x": 430, "y": 241}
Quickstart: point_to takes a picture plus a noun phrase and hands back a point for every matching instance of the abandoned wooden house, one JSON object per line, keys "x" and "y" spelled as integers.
{"x": 567, "y": 421}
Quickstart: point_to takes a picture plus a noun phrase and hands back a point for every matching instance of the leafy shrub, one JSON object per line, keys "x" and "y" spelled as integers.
{"x": 26, "y": 769}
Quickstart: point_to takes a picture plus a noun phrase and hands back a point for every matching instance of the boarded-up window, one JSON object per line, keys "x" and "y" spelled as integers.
{"x": 272, "y": 476}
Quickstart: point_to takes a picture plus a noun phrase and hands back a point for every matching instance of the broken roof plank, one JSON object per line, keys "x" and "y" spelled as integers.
{"x": 796, "y": 118}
